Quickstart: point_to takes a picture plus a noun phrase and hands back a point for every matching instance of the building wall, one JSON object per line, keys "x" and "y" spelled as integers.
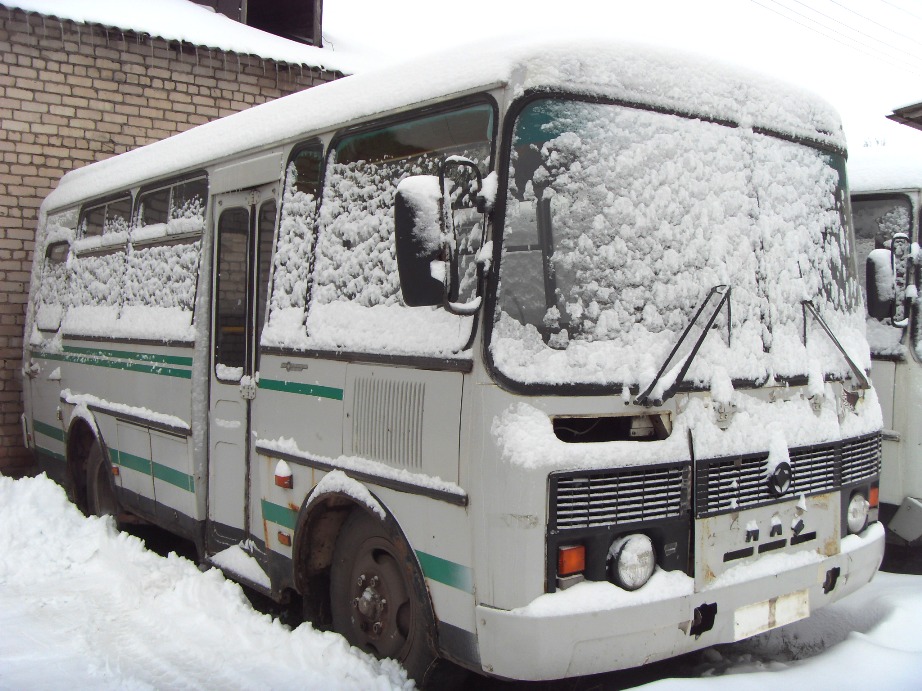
{"x": 72, "y": 94}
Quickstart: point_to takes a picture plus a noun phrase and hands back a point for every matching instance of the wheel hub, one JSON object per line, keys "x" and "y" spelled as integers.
{"x": 370, "y": 603}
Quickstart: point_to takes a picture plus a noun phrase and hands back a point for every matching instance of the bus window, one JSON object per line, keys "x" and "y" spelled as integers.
{"x": 355, "y": 278}
{"x": 106, "y": 218}
{"x": 230, "y": 298}
{"x": 294, "y": 250}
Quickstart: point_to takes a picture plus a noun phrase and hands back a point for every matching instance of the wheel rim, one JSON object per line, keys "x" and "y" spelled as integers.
{"x": 381, "y": 616}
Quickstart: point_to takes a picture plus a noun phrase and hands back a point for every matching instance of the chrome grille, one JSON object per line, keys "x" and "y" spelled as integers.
{"x": 593, "y": 499}
{"x": 728, "y": 484}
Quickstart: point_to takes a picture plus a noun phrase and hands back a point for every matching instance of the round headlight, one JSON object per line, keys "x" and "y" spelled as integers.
{"x": 631, "y": 561}
{"x": 857, "y": 515}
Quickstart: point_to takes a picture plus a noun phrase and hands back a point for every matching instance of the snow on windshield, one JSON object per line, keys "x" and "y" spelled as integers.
{"x": 620, "y": 220}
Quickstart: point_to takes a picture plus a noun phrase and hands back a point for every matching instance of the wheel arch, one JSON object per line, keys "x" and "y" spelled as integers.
{"x": 320, "y": 521}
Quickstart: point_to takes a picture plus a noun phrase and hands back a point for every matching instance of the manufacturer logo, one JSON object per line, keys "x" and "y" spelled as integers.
{"x": 779, "y": 481}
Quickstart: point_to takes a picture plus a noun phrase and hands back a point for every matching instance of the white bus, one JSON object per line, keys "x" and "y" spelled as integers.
{"x": 542, "y": 360}
{"x": 886, "y": 188}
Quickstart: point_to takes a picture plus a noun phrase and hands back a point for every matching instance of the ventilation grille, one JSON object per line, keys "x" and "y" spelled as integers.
{"x": 727, "y": 484}
{"x": 388, "y": 421}
{"x": 588, "y": 500}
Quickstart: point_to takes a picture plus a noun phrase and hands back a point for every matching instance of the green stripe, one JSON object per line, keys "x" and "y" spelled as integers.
{"x": 174, "y": 477}
{"x": 158, "y": 470}
{"x": 281, "y": 515}
{"x": 129, "y": 355}
{"x": 48, "y": 430}
{"x": 51, "y": 454}
{"x": 117, "y": 364}
{"x": 447, "y": 572}
{"x": 303, "y": 389}
{"x": 132, "y": 462}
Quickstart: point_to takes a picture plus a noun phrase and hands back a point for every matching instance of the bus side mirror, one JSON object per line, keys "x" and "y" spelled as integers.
{"x": 419, "y": 240}
{"x": 880, "y": 283}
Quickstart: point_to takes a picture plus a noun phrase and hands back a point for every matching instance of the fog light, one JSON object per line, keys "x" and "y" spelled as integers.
{"x": 857, "y": 515}
{"x": 631, "y": 561}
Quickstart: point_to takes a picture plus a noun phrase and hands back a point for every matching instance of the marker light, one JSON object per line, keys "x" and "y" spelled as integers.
{"x": 874, "y": 496}
{"x": 632, "y": 561}
{"x": 857, "y": 513}
{"x": 571, "y": 560}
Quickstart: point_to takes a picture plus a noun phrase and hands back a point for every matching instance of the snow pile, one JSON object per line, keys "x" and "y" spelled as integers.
{"x": 82, "y": 605}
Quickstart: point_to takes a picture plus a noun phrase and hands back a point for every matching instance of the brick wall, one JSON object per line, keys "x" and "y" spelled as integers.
{"x": 72, "y": 94}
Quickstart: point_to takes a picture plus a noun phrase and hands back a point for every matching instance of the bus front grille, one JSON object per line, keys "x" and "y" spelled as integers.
{"x": 729, "y": 484}
{"x": 592, "y": 499}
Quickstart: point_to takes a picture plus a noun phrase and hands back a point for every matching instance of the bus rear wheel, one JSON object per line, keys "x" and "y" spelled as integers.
{"x": 378, "y": 599}
{"x": 100, "y": 494}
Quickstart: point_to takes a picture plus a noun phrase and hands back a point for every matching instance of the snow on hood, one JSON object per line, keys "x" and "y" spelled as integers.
{"x": 668, "y": 80}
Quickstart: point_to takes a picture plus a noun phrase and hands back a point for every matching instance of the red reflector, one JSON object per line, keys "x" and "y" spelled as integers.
{"x": 874, "y": 497}
{"x": 570, "y": 560}
{"x": 284, "y": 539}
{"x": 115, "y": 470}
{"x": 285, "y": 481}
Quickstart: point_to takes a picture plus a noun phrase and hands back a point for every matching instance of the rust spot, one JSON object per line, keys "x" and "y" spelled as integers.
{"x": 831, "y": 546}
{"x": 294, "y": 507}
{"x": 266, "y": 530}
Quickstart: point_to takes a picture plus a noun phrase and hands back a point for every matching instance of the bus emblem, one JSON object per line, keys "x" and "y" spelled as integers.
{"x": 779, "y": 481}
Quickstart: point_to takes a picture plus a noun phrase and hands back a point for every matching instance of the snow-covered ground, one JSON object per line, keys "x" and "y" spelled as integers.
{"x": 84, "y": 606}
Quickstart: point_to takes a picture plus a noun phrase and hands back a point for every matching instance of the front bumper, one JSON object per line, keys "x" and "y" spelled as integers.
{"x": 557, "y": 643}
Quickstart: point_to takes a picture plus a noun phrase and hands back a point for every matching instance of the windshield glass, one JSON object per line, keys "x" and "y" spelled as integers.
{"x": 618, "y": 223}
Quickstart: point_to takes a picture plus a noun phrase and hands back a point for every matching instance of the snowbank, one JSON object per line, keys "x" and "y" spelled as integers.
{"x": 84, "y": 606}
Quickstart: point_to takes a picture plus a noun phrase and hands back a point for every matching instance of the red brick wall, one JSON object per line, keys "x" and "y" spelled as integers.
{"x": 72, "y": 94}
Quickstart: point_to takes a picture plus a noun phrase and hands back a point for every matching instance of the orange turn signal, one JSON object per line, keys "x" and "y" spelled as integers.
{"x": 874, "y": 496}
{"x": 571, "y": 559}
{"x": 285, "y": 481}
{"x": 284, "y": 539}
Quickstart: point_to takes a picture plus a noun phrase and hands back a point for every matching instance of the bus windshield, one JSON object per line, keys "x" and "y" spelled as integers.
{"x": 620, "y": 220}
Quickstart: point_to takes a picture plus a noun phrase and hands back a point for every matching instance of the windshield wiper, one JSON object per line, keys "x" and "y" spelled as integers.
{"x": 863, "y": 381}
{"x": 654, "y": 394}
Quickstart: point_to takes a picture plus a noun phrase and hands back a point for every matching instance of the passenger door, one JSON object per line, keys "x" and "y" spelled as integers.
{"x": 244, "y": 227}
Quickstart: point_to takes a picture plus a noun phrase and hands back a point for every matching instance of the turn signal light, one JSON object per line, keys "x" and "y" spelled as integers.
{"x": 571, "y": 560}
{"x": 284, "y": 539}
{"x": 284, "y": 481}
{"x": 874, "y": 496}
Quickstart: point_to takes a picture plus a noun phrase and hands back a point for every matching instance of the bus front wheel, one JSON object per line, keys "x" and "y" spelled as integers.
{"x": 378, "y": 598}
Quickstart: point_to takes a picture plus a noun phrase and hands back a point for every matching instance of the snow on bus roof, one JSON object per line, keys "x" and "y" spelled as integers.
{"x": 882, "y": 168}
{"x": 655, "y": 77}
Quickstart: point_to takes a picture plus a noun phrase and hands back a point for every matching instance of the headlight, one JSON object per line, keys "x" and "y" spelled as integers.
{"x": 631, "y": 561}
{"x": 857, "y": 515}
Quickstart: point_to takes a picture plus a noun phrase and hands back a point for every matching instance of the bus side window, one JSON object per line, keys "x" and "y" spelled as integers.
{"x": 294, "y": 248}
{"x": 53, "y": 290}
{"x": 106, "y": 217}
{"x": 355, "y": 260}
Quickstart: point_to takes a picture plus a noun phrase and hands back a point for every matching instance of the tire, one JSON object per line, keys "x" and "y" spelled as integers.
{"x": 100, "y": 492}
{"x": 378, "y": 598}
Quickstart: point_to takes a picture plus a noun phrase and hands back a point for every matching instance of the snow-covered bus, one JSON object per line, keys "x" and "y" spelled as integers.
{"x": 542, "y": 360}
{"x": 886, "y": 188}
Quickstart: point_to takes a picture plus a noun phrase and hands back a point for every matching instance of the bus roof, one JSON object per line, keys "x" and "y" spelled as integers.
{"x": 885, "y": 168}
{"x": 634, "y": 73}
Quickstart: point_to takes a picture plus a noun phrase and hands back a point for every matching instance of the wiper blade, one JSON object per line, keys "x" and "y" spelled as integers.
{"x": 860, "y": 376}
{"x": 654, "y": 395}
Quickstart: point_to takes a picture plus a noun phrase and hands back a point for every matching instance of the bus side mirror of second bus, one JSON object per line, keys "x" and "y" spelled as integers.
{"x": 880, "y": 283}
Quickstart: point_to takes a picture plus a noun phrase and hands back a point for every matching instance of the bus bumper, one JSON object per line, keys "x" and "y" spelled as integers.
{"x": 552, "y": 643}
